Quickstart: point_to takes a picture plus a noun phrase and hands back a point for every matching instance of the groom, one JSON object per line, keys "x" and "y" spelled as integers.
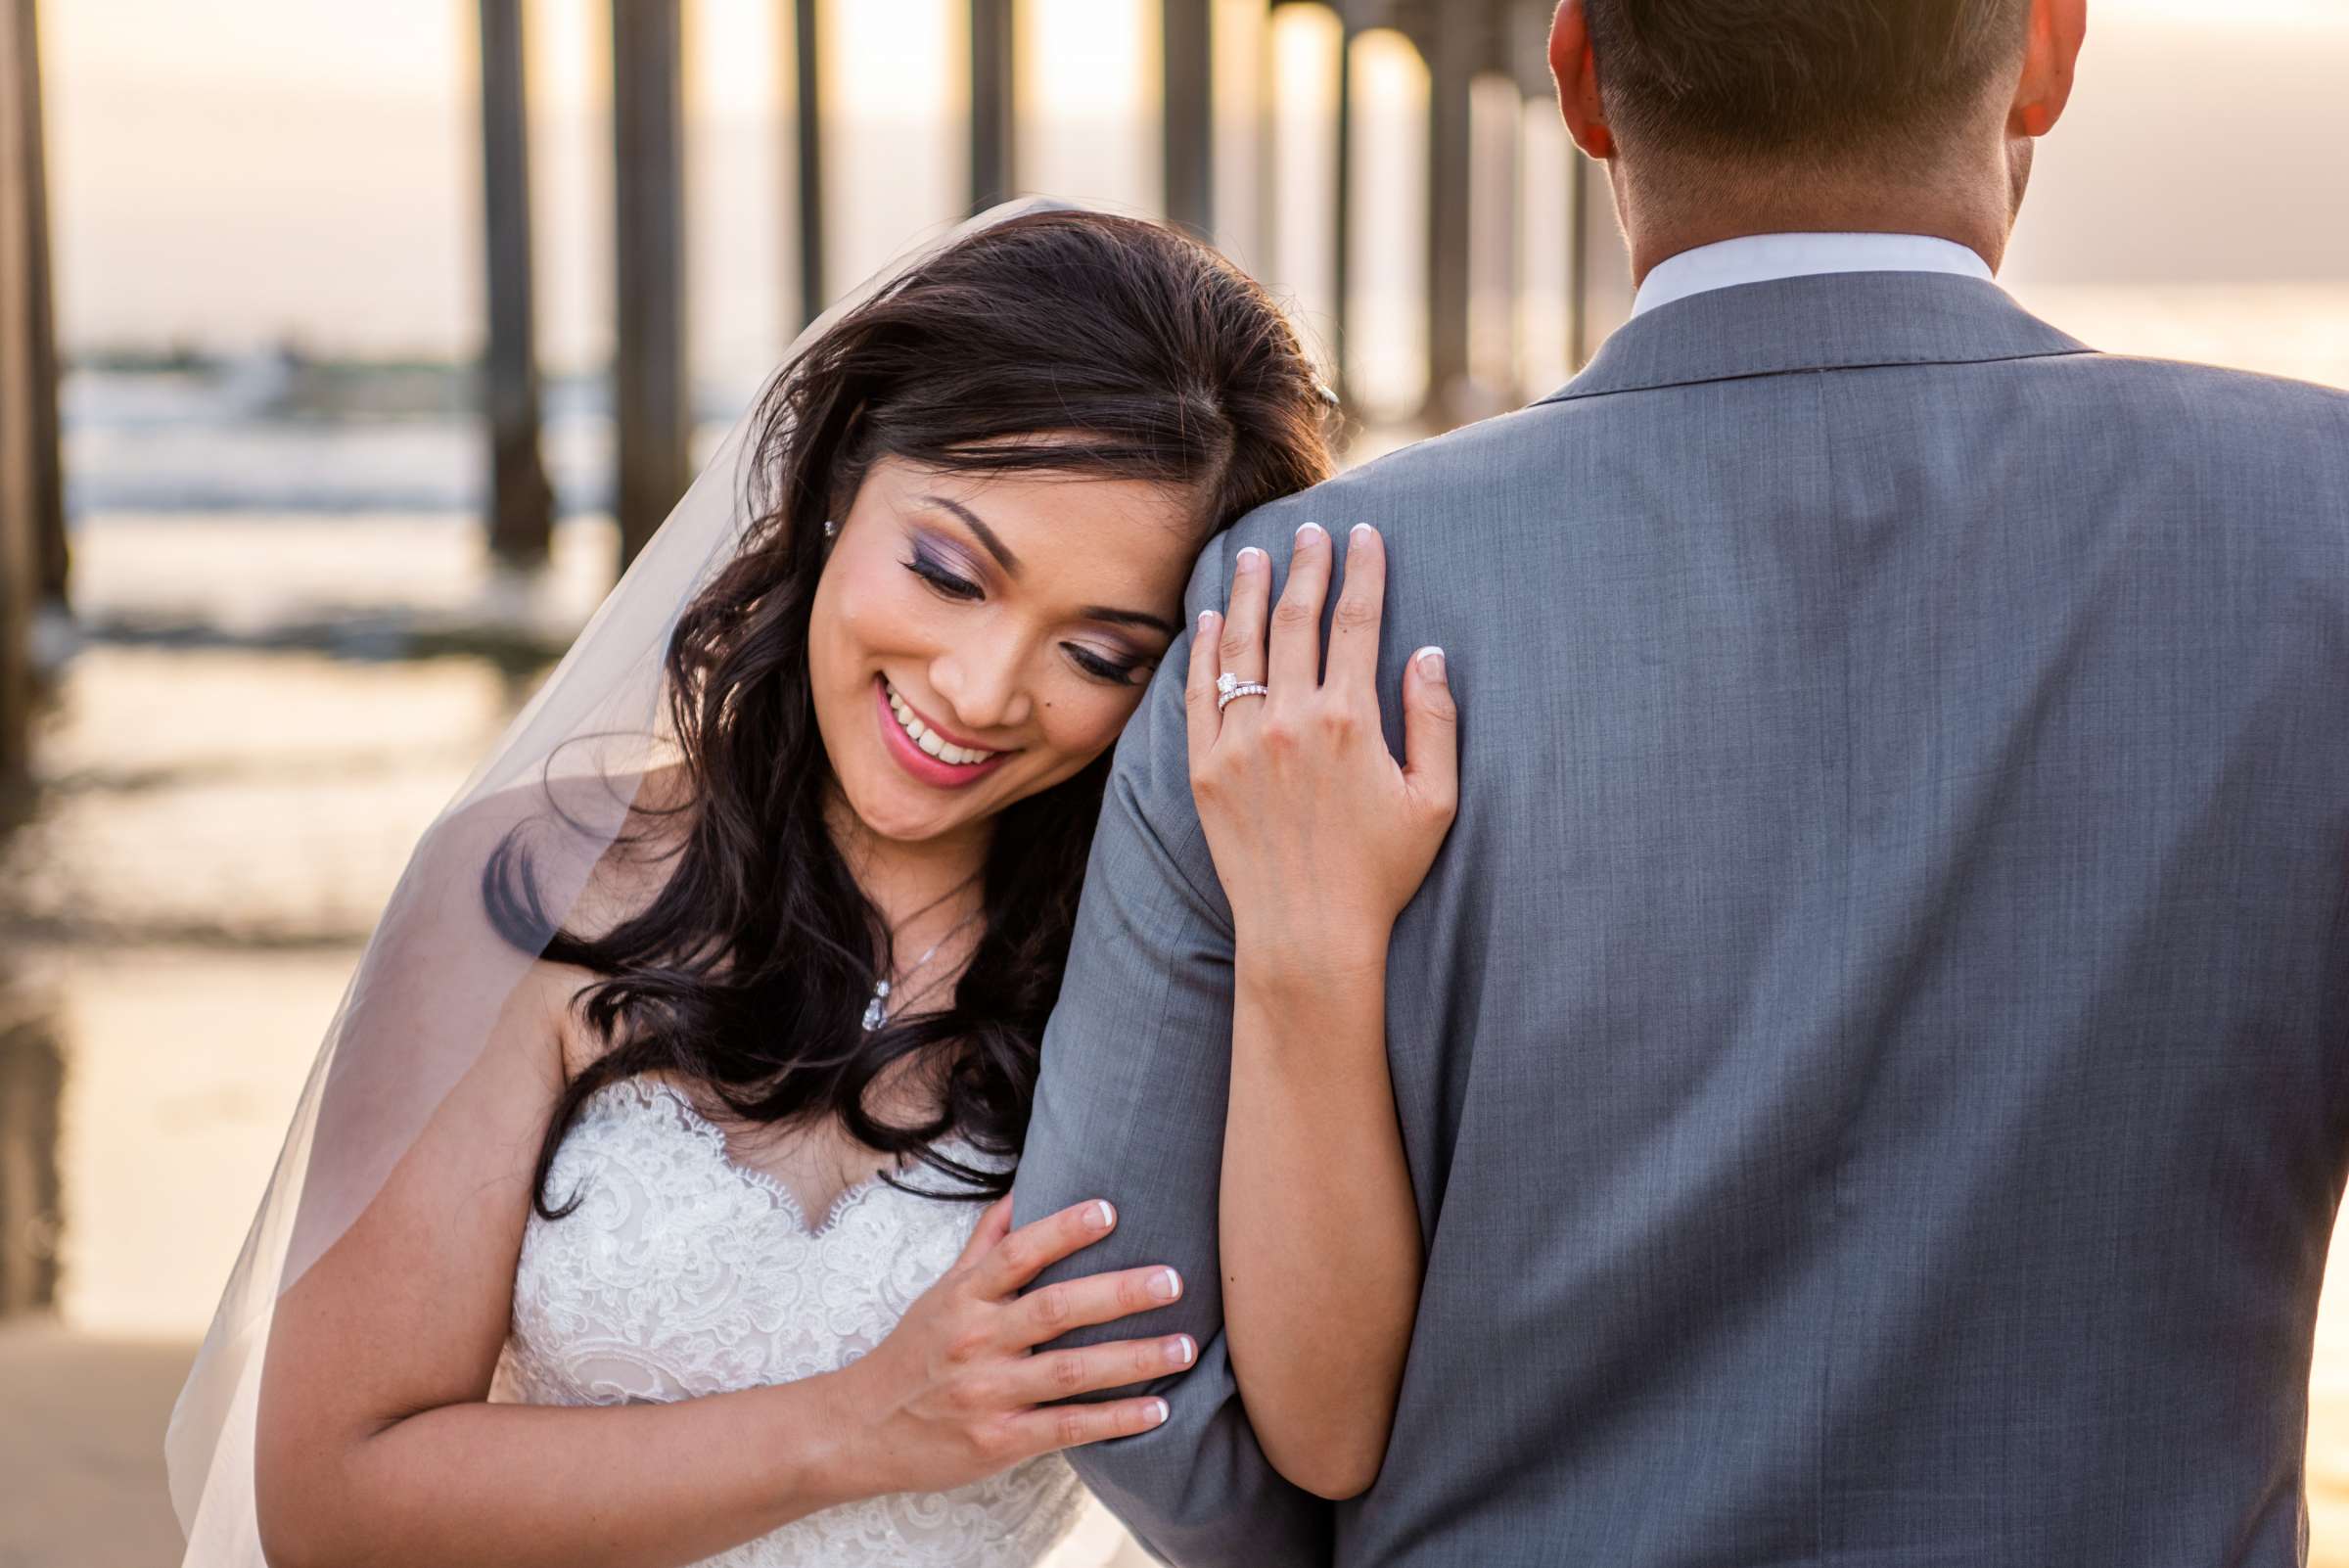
{"x": 1874, "y": 1051}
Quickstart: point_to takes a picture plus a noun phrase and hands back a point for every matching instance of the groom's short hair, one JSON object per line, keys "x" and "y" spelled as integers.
{"x": 1809, "y": 80}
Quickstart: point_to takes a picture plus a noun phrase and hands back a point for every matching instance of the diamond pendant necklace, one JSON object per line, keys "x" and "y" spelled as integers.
{"x": 876, "y": 1011}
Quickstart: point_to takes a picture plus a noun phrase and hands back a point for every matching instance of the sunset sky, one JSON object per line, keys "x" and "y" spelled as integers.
{"x": 407, "y": 46}
{"x": 235, "y": 170}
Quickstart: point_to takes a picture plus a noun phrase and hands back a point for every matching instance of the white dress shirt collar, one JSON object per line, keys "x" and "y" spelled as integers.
{"x": 1763, "y": 257}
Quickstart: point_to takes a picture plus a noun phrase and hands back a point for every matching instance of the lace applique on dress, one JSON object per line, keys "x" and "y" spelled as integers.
{"x": 683, "y": 1273}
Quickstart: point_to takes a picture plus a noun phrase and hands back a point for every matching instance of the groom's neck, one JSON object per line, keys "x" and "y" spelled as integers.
{"x": 1968, "y": 198}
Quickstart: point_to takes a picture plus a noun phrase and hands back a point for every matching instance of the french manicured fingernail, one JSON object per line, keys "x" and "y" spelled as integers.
{"x": 1184, "y": 1350}
{"x": 1100, "y": 1216}
{"x": 1431, "y": 663}
{"x": 1361, "y": 531}
{"x": 1253, "y": 559}
{"x": 1208, "y": 620}
{"x": 1165, "y": 1284}
{"x": 1312, "y": 533}
{"x": 1157, "y": 1412}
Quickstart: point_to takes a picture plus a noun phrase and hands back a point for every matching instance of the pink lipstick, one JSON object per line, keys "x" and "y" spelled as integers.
{"x": 908, "y": 754}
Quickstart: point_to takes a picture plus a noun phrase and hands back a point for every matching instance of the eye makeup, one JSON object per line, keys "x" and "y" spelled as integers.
{"x": 941, "y": 566}
{"x": 1118, "y": 671}
{"x": 932, "y": 568}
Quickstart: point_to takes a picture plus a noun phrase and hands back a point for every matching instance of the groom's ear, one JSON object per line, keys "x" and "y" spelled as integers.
{"x": 2051, "y": 48}
{"x": 1576, "y": 72}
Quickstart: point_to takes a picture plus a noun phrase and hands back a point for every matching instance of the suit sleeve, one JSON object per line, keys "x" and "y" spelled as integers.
{"x": 1130, "y": 1106}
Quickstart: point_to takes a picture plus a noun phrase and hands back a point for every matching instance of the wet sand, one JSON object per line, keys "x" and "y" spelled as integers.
{"x": 79, "y": 1448}
{"x": 81, "y": 1478}
{"x": 81, "y": 1454}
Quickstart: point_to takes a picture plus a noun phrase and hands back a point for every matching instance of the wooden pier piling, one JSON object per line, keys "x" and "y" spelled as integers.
{"x": 522, "y": 504}
{"x": 1341, "y": 291}
{"x": 1447, "y": 48}
{"x": 31, "y": 1187}
{"x": 1189, "y": 114}
{"x": 807, "y": 109}
{"x": 28, "y": 458}
{"x": 1598, "y": 281}
{"x": 651, "y": 403}
{"x": 52, "y": 552}
{"x": 995, "y": 102}
{"x": 1601, "y": 298}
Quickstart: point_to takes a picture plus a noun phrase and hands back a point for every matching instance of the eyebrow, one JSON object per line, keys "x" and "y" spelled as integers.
{"x": 1011, "y": 563}
{"x": 986, "y": 536}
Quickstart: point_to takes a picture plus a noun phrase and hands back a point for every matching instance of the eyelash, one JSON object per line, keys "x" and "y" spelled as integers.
{"x": 943, "y": 580}
{"x": 963, "y": 590}
{"x": 1093, "y": 663}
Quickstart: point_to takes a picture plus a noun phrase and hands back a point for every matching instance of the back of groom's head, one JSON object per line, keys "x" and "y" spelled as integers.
{"x": 1723, "y": 117}
{"x": 1807, "y": 81}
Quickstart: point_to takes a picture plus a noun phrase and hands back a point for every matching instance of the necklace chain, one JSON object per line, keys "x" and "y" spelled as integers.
{"x": 877, "y": 1010}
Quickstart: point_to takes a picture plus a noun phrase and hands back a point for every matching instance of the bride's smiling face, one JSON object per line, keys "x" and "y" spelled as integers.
{"x": 979, "y": 638}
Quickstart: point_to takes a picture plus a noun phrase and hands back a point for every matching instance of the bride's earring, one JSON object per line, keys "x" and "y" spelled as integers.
{"x": 831, "y": 530}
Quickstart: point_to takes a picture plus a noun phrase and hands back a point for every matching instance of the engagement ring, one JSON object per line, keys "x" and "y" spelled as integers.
{"x": 1232, "y": 688}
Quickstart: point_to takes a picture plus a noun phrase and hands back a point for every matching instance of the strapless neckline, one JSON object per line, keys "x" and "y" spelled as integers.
{"x": 714, "y": 1138}
{"x": 684, "y": 1272}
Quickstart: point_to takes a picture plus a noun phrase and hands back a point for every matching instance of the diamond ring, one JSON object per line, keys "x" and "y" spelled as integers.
{"x": 1232, "y": 688}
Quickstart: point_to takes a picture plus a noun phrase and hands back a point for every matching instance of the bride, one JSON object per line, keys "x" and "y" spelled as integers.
{"x": 647, "y": 1203}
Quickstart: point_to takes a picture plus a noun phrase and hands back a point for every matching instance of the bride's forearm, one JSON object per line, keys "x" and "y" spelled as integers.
{"x": 521, "y": 1486}
{"x": 1320, "y": 1232}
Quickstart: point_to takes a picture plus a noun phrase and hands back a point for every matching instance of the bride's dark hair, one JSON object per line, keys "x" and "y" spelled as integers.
{"x": 1070, "y": 341}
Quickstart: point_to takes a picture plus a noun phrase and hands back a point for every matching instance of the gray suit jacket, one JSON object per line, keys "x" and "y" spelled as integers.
{"x": 1871, "y": 1053}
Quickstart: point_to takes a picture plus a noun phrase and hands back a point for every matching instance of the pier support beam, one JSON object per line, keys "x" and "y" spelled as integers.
{"x": 650, "y": 406}
{"x": 1341, "y": 293}
{"x": 522, "y": 504}
{"x": 1600, "y": 297}
{"x": 30, "y": 491}
{"x": 31, "y": 1088}
{"x": 1451, "y": 150}
{"x": 807, "y": 104}
{"x": 995, "y": 102}
{"x": 1190, "y": 113}
{"x": 1545, "y": 258}
{"x": 48, "y": 454}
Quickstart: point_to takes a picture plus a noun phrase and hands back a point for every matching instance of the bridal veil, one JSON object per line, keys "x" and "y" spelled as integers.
{"x": 434, "y": 974}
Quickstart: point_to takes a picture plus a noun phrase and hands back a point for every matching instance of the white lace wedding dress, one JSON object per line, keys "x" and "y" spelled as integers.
{"x": 685, "y": 1273}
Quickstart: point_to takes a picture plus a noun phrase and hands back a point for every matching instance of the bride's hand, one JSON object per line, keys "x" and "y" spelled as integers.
{"x": 1318, "y": 836}
{"x": 961, "y": 1391}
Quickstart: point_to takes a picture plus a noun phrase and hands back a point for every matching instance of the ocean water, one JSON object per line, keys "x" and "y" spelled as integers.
{"x": 2299, "y": 330}
{"x": 273, "y": 696}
